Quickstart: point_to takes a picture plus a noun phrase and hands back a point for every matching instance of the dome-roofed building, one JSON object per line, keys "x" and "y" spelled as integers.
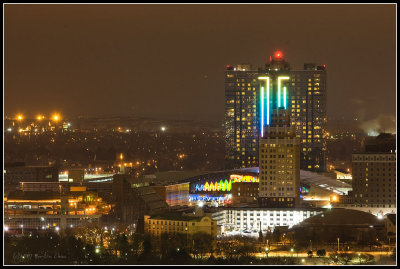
{"x": 352, "y": 227}
{"x": 343, "y": 217}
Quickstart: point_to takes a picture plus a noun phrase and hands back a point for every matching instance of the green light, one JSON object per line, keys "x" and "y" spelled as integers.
{"x": 279, "y": 89}
{"x": 284, "y": 97}
{"x": 262, "y": 100}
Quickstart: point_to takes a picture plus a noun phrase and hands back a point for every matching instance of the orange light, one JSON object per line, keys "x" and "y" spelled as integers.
{"x": 56, "y": 117}
{"x": 335, "y": 198}
{"x": 20, "y": 117}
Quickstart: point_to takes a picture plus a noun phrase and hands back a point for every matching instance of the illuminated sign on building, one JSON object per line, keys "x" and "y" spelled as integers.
{"x": 268, "y": 102}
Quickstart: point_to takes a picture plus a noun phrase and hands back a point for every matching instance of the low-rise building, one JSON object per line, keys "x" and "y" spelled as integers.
{"x": 25, "y": 210}
{"x": 171, "y": 223}
{"x": 16, "y": 174}
{"x": 248, "y": 219}
{"x": 175, "y": 194}
{"x": 244, "y": 192}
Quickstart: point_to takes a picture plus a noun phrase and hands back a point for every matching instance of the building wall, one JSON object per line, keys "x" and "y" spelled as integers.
{"x": 245, "y": 192}
{"x": 14, "y": 175}
{"x": 247, "y": 219}
{"x": 240, "y": 116}
{"x": 279, "y": 164}
{"x": 174, "y": 194}
{"x": 308, "y": 98}
{"x": 156, "y": 226}
{"x": 374, "y": 179}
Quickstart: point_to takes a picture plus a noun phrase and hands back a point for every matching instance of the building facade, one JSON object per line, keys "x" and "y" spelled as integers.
{"x": 240, "y": 116}
{"x": 249, "y": 219}
{"x": 155, "y": 225}
{"x": 245, "y": 192}
{"x": 308, "y": 98}
{"x": 374, "y": 179}
{"x": 279, "y": 163}
{"x": 174, "y": 194}
{"x": 27, "y": 210}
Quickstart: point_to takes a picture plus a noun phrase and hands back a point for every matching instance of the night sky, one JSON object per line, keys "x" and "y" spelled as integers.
{"x": 167, "y": 61}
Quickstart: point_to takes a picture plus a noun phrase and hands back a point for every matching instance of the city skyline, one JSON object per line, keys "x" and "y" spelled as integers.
{"x": 93, "y": 62}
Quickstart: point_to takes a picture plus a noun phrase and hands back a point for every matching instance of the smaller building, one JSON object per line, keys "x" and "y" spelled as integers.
{"x": 16, "y": 174}
{"x": 76, "y": 175}
{"x": 27, "y": 210}
{"x": 175, "y": 194}
{"x": 341, "y": 174}
{"x": 172, "y": 223}
{"x": 252, "y": 219}
{"x": 245, "y": 192}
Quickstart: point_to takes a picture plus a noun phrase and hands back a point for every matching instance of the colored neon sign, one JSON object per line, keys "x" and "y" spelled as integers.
{"x": 224, "y": 185}
{"x": 279, "y": 91}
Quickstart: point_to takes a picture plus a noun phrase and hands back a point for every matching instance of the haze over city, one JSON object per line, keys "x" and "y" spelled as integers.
{"x": 168, "y": 60}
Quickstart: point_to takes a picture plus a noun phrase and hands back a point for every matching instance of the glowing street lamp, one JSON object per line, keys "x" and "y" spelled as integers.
{"x": 56, "y": 117}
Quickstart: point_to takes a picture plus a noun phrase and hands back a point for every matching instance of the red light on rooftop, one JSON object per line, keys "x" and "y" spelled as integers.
{"x": 278, "y": 54}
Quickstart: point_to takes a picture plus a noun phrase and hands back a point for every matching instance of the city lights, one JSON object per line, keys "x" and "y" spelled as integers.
{"x": 56, "y": 117}
{"x": 269, "y": 160}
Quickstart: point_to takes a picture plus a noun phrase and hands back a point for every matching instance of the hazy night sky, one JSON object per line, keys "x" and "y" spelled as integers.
{"x": 167, "y": 61}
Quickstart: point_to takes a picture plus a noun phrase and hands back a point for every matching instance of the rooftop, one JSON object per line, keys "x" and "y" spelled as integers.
{"x": 341, "y": 216}
{"x": 174, "y": 216}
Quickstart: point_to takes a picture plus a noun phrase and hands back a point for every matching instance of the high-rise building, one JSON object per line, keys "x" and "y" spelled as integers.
{"x": 374, "y": 174}
{"x": 302, "y": 92}
{"x": 279, "y": 162}
{"x": 240, "y": 116}
{"x": 308, "y": 114}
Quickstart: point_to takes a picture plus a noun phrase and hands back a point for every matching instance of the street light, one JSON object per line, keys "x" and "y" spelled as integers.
{"x": 56, "y": 117}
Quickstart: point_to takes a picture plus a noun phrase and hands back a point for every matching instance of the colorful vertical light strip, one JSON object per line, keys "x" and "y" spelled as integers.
{"x": 279, "y": 90}
{"x": 262, "y": 100}
{"x": 284, "y": 97}
{"x": 262, "y": 111}
{"x": 267, "y": 100}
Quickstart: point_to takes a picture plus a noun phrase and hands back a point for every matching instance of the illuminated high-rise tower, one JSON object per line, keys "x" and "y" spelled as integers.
{"x": 251, "y": 96}
{"x": 303, "y": 93}
{"x": 240, "y": 116}
{"x": 308, "y": 113}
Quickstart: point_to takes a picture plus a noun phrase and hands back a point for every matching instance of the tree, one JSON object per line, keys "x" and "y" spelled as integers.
{"x": 260, "y": 236}
{"x": 369, "y": 258}
{"x": 202, "y": 243}
{"x": 147, "y": 254}
{"x": 333, "y": 256}
{"x": 345, "y": 257}
{"x": 276, "y": 235}
{"x": 310, "y": 253}
{"x": 321, "y": 252}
